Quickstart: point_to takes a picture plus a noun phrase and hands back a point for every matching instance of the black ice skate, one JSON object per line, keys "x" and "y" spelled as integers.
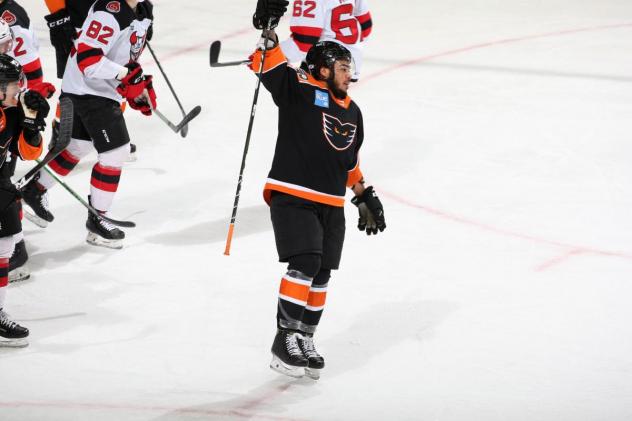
{"x": 102, "y": 233}
{"x": 18, "y": 271}
{"x": 315, "y": 361}
{"x": 287, "y": 357}
{"x": 35, "y": 196}
{"x": 12, "y": 334}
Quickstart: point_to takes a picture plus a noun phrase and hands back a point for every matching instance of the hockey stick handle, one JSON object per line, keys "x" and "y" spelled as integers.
{"x": 253, "y": 109}
{"x": 231, "y": 63}
{"x": 173, "y": 91}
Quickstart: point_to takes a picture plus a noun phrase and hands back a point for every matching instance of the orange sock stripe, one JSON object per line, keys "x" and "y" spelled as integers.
{"x": 293, "y": 290}
{"x": 316, "y": 299}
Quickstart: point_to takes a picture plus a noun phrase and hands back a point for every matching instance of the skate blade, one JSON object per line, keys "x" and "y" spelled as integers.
{"x": 42, "y": 223}
{"x": 97, "y": 240}
{"x": 312, "y": 373}
{"x": 13, "y": 343}
{"x": 280, "y": 367}
{"x": 19, "y": 274}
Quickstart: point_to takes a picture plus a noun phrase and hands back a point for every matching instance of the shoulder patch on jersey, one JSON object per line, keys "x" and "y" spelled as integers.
{"x": 113, "y": 6}
{"x": 9, "y": 17}
{"x": 321, "y": 98}
{"x": 339, "y": 135}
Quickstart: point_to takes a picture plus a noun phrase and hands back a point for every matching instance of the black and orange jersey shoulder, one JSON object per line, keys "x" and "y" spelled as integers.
{"x": 316, "y": 155}
{"x": 14, "y": 142}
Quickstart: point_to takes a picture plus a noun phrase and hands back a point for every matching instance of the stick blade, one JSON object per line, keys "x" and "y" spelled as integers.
{"x": 187, "y": 118}
{"x": 216, "y": 46}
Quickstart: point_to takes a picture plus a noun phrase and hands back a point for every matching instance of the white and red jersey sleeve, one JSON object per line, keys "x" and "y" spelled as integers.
{"x": 362, "y": 13}
{"x": 100, "y": 32}
{"x": 111, "y": 36}
{"x": 26, "y": 52}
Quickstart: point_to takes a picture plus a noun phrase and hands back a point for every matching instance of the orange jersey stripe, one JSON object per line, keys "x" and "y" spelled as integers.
{"x": 274, "y": 58}
{"x": 354, "y": 176}
{"x": 29, "y": 152}
{"x": 314, "y": 196}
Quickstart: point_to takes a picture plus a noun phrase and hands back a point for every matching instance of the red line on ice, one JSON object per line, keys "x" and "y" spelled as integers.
{"x": 571, "y": 249}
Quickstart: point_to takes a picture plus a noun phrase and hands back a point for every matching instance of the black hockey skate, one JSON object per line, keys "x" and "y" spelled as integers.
{"x": 12, "y": 334}
{"x": 35, "y": 196}
{"x": 315, "y": 361}
{"x": 18, "y": 271}
{"x": 102, "y": 233}
{"x": 287, "y": 357}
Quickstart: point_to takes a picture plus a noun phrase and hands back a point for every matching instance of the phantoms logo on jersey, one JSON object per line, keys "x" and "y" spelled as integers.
{"x": 339, "y": 135}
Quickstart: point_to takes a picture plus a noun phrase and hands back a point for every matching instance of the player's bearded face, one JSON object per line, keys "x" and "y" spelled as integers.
{"x": 340, "y": 79}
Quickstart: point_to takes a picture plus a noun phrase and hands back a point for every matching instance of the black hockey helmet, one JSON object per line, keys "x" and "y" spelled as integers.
{"x": 10, "y": 69}
{"x": 325, "y": 54}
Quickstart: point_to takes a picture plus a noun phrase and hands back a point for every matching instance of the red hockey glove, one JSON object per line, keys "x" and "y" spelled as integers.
{"x": 141, "y": 103}
{"x": 371, "y": 212}
{"x": 45, "y": 89}
{"x": 133, "y": 84}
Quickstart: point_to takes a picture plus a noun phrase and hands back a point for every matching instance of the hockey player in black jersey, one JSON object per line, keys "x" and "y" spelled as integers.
{"x": 316, "y": 158}
{"x": 21, "y": 120}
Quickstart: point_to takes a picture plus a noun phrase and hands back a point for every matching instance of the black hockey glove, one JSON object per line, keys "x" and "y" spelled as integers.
{"x": 62, "y": 36}
{"x": 371, "y": 212}
{"x": 37, "y": 112}
{"x": 269, "y": 9}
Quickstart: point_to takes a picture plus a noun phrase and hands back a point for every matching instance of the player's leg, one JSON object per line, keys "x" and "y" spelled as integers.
{"x": 11, "y": 333}
{"x": 298, "y": 235}
{"x": 333, "y": 220}
{"x": 18, "y": 270}
{"x": 35, "y": 193}
{"x": 111, "y": 140}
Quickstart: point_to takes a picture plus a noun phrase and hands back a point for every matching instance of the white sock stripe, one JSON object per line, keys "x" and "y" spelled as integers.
{"x": 318, "y": 288}
{"x": 292, "y": 300}
{"x": 297, "y": 281}
{"x": 310, "y": 308}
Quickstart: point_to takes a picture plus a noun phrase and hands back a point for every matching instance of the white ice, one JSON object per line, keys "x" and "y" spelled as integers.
{"x": 498, "y": 137}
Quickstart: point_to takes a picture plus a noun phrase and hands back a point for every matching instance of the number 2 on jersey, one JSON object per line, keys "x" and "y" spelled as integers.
{"x": 94, "y": 30}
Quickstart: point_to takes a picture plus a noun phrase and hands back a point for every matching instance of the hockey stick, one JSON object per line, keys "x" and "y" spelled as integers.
{"x": 187, "y": 118}
{"x": 216, "y": 46}
{"x": 65, "y": 131}
{"x": 253, "y": 109}
{"x": 185, "y": 129}
{"x": 127, "y": 224}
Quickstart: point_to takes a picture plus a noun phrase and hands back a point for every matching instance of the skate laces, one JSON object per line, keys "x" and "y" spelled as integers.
{"x": 308, "y": 346}
{"x": 291, "y": 344}
{"x": 105, "y": 224}
{"x": 4, "y": 320}
{"x": 44, "y": 200}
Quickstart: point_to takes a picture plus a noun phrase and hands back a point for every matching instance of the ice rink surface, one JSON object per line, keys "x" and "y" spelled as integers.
{"x": 498, "y": 137}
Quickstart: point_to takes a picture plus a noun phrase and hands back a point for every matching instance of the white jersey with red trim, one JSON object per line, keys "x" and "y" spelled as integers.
{"x": 25, "y": 47}
{"x": 345, "y": 21}
{"x": 112, "y": 35}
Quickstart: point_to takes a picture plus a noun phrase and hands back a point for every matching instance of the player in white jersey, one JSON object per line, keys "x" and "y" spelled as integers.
{"x": 24, "y": 47}
{"x": 345, "y": 21}
{"x": 101, "y": 72}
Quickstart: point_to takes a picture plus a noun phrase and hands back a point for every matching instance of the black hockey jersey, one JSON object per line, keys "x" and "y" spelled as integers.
{"x": 13, "y": 142}
{"x": 316, "y": 155}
